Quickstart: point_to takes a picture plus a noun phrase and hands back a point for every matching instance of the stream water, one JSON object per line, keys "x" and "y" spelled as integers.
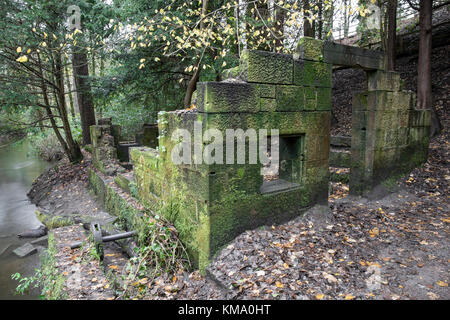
{"x": 18, "y": 168}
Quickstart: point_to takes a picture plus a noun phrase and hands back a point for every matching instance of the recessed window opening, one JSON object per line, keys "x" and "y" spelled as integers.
{"x": 287, "y": 174}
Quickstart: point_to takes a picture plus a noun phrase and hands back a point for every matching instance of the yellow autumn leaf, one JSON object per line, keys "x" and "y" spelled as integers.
{"x": 349, "y": 297}
{"x": 143, "y": 281}
{"x": 22, "y": 59}
{"x": 374, "y": 232}
{"x": 114, "y": 267}
{"x": 442, "y": 284}
{"x": 279, "y": 284}
{"x": 19, "y": 49}
{"x": 320, "y": 296}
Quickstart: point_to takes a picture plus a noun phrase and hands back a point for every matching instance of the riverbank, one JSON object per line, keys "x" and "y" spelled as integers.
{"x": 8, "y": 138}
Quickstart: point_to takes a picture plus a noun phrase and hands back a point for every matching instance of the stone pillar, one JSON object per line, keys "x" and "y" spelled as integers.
{"x": 384, "y": 123}
{"x": 105, "y": 140}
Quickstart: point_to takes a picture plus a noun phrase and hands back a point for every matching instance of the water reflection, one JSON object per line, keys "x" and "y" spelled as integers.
{"x": 18, "y": 168}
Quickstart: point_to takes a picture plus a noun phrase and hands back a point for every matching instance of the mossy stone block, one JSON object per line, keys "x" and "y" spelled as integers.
{"x": 266, "y": 67}
{"x": 268, "y": 104}
{"x": 311, "y": 73}
{"x": 344, "y": 55}
{"x": 420, "y": 118}
{"x": 383, "y": 80}
{"x": 309, "y": 49}
{"x": 266, "y": 90}
{"x": 226, "y": 97}
{"x": 339, "y": 158}
{"x": 290, "y": 98}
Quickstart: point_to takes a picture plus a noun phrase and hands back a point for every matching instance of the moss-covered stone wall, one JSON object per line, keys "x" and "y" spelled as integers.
{"x": 389, "y": 136}
{"x": 210, "y": 204}
{"x": 105, "y": 139}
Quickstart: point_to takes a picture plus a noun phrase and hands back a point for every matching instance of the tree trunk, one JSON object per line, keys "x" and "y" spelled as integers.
{"x": 69, "y": 93}
{"x": 307, "y": 27}
{"x": 328, "y": 18}
{"x": 346, "y": 19}
{"x": 73, "y": 152}
{"x": 279, "y": 29}
{"x": 74, "y": 148}
{"x": 424, "y": 93}
{"x": 83, "y": 92}
{"x": 392, "y": 31}
{"x": 192, "y": 85}
{"x": 320, "y": 22}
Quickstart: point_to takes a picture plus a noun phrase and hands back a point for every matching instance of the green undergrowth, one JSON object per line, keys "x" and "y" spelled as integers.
{"x": 48, "y": 278}
{"x": 53, "y": 222}
{"x": 159, "y": 250}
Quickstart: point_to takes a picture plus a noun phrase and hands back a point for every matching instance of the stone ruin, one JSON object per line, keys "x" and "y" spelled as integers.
{"x": 210, "y": 204}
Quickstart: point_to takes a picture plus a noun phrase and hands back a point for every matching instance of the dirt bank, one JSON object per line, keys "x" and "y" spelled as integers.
{"x": 8, "y": 138}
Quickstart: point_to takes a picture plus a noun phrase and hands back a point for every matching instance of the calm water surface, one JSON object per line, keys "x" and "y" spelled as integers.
{"x": 18, "y": 168}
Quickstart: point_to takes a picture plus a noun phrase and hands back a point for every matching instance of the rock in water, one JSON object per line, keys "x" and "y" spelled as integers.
{"x": 35, "y": 233}
{"x": 4, "y": 249}
{"x": 25, "y": 250}
{"x": 40, "y": 241}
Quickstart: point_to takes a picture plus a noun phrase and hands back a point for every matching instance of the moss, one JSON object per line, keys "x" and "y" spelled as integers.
{"x": 228, "y": 97}
{"x": 88, "y": 148}
{"x": 343, "y": 178}
{"x": 53, "y": 281}
{"x": 232, "y": 73}
{"x": 390, "y": 183}
{"x": 311, "y": 73}
{"x": 266, "y": 67}
{"x": 123, "y": 183}
{"x": 52, "y": 221}
{"x": 310, "y": 49}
